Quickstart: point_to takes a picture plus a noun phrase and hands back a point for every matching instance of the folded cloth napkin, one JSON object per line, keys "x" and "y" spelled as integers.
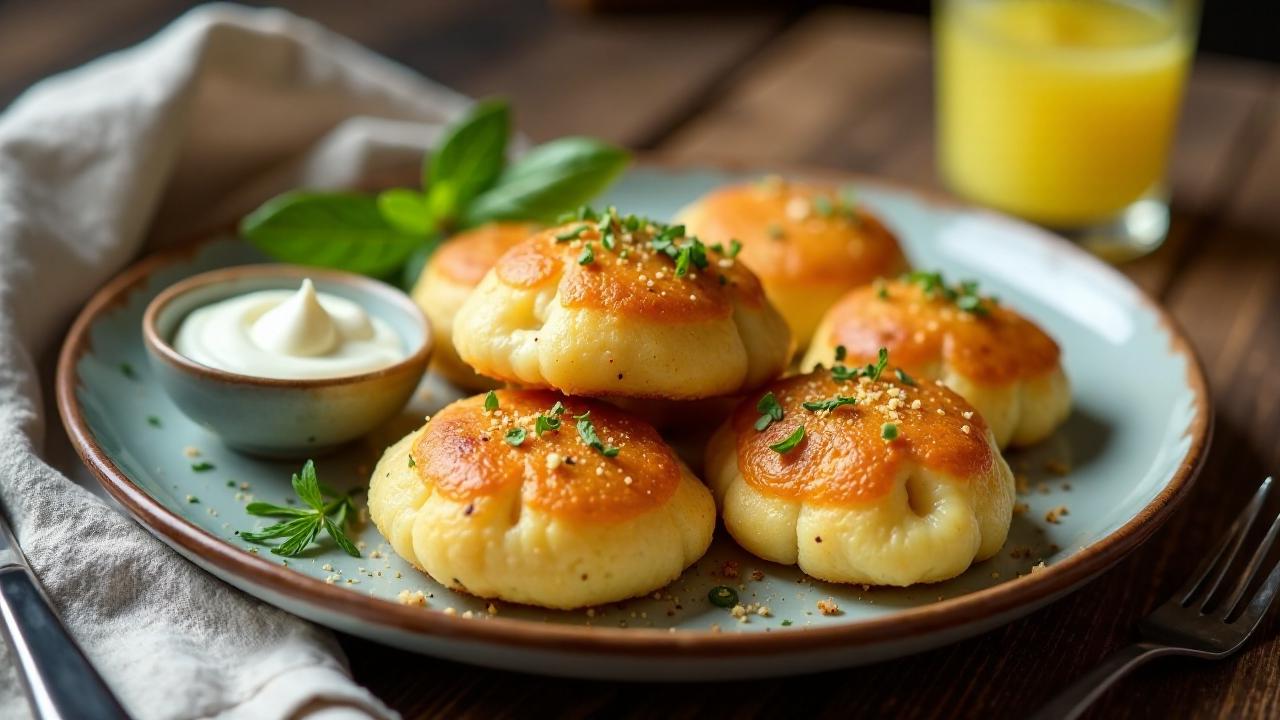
{"x": 143, "y": 148}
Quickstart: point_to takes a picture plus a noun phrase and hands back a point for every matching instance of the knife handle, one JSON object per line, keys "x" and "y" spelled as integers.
{"x": 58, "y": 678}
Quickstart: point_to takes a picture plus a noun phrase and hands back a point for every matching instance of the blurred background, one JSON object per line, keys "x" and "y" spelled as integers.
{"x": 543, "y": 53}
{"x": 847, "y": 85}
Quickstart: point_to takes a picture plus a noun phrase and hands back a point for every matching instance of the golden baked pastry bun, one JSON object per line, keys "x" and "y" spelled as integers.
{"x": 448, "y": 278}
{"x": 622, "y": 307}
{"x": 808, "y": 243}
{"x": 1000, "y": 362}
{"x": 533, "y": 497}
{"x": 876, "y": 482}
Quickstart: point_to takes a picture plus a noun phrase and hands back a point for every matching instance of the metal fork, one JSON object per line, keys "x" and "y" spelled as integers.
{"x": 1196, "y": 621}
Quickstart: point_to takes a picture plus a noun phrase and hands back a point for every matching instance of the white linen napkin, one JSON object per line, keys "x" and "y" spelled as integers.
{"x": 141, "y": 148}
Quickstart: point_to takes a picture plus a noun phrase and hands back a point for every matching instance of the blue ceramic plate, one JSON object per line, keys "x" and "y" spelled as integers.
{"x": 1137, "y": 436}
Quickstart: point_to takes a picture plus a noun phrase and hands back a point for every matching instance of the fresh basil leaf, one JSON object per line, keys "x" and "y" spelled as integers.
{"x": 406, "y": 210}
{"x": 468, "y": 159}
{"x": 337, "y": 230}
{"x": 552, "y": 178}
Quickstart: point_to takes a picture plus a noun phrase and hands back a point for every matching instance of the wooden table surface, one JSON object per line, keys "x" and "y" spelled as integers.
{"x": 847, "y": 89}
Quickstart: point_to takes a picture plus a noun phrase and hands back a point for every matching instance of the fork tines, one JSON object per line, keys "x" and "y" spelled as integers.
{"x": 1203, "y": 588}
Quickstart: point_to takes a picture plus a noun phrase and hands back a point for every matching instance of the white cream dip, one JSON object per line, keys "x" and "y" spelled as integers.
{"x": 289, "y": 335}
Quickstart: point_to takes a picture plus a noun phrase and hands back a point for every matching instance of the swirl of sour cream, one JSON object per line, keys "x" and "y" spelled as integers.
{"x": 288, "y": 335}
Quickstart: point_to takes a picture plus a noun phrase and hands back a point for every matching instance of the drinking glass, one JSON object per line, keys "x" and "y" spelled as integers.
{"x": 1063, "y": 111}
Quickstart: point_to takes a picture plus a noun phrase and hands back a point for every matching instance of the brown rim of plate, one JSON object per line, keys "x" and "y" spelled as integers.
{"x": 165, "y": 350}
{"x": 945, "y": 614}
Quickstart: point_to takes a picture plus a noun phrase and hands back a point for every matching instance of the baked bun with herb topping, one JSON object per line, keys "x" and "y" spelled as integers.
{"x": 615, "y": 306}
{"x": 862, "y": 480}
{"x": 536, "y": 498}
{"x": 449, "y": 277}
{"x": 1000, "y": 362}
{"x": 808, "y": 243}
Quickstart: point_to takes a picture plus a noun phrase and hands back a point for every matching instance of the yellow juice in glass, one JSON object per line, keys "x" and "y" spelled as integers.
{"x": 1059, "y": 111}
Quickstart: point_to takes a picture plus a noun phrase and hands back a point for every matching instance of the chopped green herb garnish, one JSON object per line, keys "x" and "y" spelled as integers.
{"x": 193, "y": 499}
{"x": 609, "y": 241}
{"x": 723, "y": 596}
{"x": 903, "y": 377}
{"x": 491, "y": 401}
{"x": 889, "y": 431}
{"x": 515, "y": 437}
{"x": 587, "y": 431}
{"x": 549, "y": 420}
{"x": 301, "y": 525}
{"x": 931, "y": 283}
{"x": 735, "y": 247}
{"x": 412, "y": 464}
{"x": 791, "y": 441}
{"x": 202, "y": 466}
{"x": 231, "y": 483}
{"x": 874, "y": 371}
{"x": 568, "y": 235}
{"x": 664, "y": 240}
{"x": 882, "y": 289}
{"x": 588, "y": 255}
{"x": 849, "y": 203}
{"x": 829, "y": 405}
{"x": 971, "y": 304}
{"x": 965, "y": 295}
{"x": 153, "y": 421}
{"x": 786, "y": 623}
{"x": 841, "y": 353}
{"x": 769, "y": 409}
{"x": 822, "y": 205}
{"x": 682, "y": 262}
{"x": 694, "y": 253}
{"x": 127, "y": 370}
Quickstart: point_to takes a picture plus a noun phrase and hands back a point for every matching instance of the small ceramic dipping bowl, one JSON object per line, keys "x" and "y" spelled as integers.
{"x": 285, "y": 418}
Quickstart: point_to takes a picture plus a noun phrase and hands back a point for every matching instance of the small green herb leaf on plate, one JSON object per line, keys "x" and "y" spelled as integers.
{"x": 338, "y": 230}
{"x": 334, "y": 530}
{"x": 303, "y": 524}
{"x": 550, "y": 179}
{"x": 307, "y": 486}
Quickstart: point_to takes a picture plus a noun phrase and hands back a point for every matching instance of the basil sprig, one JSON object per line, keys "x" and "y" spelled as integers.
{"x": 466, "y": 181}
